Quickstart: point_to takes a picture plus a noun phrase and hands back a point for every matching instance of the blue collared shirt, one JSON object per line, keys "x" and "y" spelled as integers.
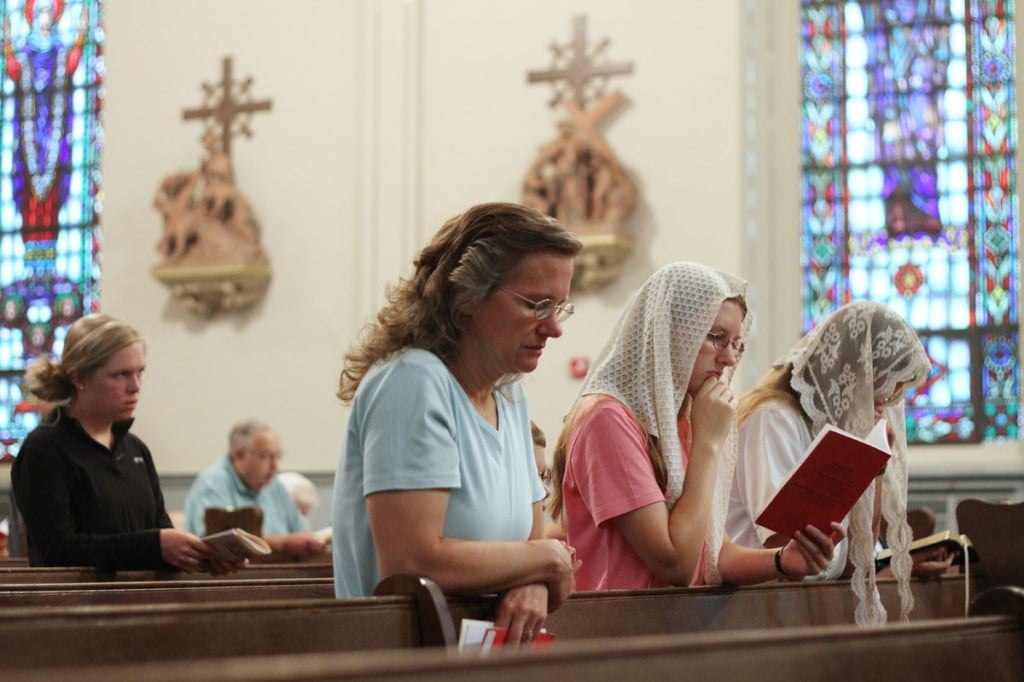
{"x": 220, "y": 486}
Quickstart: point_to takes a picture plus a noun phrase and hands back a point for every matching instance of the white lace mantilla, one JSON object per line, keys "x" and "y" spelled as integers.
{"x": 647, "y": 362}
{"x": 862, "y": 355}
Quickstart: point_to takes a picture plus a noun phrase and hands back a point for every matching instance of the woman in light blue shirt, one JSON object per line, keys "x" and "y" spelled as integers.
{"x": 437, "y": 475}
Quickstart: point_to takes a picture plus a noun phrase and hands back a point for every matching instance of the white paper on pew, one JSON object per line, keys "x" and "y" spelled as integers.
{"x": 472, "y": 631}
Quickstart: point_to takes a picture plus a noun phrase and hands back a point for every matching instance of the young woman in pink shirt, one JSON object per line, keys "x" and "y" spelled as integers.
{"x": 643, "y": 467}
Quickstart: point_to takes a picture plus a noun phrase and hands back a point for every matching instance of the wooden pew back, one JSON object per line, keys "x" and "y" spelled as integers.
{"x": 992, "y": 646}
{"x": 164, "y": 592}
{"x": 11, "y": 575}
{"x": 150, "y": 632}
{"x": 658, "y": 611}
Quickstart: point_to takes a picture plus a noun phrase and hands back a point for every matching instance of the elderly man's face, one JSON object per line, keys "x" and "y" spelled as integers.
{"x": 257, "y": 464}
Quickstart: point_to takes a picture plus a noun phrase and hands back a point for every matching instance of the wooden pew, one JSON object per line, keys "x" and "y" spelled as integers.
{"x": 658, "y": 611}
{"x": 173, "y": 631}
{"x": 164, "y": 592}
{"x": 990, "y": 646}
{"x": 107, "y": 634}
{"x": 14, "y": 575}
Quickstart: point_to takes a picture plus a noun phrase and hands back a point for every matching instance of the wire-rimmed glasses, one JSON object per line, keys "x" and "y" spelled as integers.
{"x": 542, "y": 310}
{"x": 720, "y": 340}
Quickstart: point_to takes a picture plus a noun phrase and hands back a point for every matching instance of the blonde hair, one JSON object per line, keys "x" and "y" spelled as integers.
{"x": 775, "y": 385}
{"x": 88, "y": 345}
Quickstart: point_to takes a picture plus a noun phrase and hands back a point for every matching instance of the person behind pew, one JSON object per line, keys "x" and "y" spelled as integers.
{"x": 302, "y": 490}
{"x": 437, "y": 476}
{"x": 643, "y": 463}
{"x": 853, "y": 369}
{"x": 86, "y": 487}
{"x": 247, "y": 477}
{"x": 552, "y": 529}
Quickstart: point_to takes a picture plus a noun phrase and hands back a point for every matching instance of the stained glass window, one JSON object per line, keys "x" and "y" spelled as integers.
{"x": 50, "y": 200}
{"x": 909, "y": 192}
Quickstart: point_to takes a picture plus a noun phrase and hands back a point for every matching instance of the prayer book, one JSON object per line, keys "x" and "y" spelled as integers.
{"x": 235, "y": 544}
{"x": 833, "y": 473}
{"x": 954, "y": 543}
{"x": 482, "y": 636}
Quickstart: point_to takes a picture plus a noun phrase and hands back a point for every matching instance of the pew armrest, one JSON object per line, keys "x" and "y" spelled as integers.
{"x": 437, "y": 628}
{"x": 999, "y": 601}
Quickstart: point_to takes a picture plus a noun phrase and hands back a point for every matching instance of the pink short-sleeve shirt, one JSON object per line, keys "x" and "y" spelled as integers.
{"x": 608, "y": 473}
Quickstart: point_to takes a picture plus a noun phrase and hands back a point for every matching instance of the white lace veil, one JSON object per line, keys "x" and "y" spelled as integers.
{"x": 647, "y": 362}
{"x": 863, "y": 354}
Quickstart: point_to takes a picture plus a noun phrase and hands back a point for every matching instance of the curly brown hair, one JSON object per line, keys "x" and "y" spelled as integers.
{"x": 468, "y": 258}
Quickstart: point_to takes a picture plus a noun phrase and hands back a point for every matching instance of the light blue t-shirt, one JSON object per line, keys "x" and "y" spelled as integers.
{"x": 221, "y": 486}
{"x": 412, "y": 426}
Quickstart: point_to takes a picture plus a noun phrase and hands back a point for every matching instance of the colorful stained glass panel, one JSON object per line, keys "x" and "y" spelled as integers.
{"x": 50, "y": 148}
{"x": 909, "y": 192}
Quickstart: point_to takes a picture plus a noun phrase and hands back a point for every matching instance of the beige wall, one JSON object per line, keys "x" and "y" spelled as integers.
{"x": 389, "y": 116}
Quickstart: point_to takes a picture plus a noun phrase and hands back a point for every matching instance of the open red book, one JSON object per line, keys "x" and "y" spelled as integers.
{"x": 835, "y": 471}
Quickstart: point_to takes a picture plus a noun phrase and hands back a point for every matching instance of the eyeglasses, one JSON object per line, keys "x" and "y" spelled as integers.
{"x": 720, "y": 340}
{"x": 542, "y": 310}
{"x": 264, "y": 456}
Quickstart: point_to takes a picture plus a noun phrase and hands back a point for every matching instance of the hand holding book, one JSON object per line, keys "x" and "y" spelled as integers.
{"x": 834, "y": 472}
{"x": 235, "y": 546}
{"x": 933, "y": 554}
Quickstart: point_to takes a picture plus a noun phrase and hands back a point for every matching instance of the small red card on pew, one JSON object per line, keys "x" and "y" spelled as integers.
{"x": 484, "y": 636}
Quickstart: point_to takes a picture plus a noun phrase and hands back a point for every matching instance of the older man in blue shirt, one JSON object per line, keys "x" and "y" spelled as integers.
{"x": 247, "y": 477}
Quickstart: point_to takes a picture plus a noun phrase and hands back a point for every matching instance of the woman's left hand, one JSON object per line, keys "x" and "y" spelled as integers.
{"x": 523, "y": 611}
{"x": 810, "y": 551}
{"x": 929, "y": 563}
{"x": 188, "y": 552}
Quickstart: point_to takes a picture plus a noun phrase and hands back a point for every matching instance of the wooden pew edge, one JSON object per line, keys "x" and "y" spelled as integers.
{"x": 84, "y": 611}
{"x": 19, "y": 575}
{"x": 1006, "y": 600}
{"x": 504, "y": 665}
{"x": 158, "y": 584}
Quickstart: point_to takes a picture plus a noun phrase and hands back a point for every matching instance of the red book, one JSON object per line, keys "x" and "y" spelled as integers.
{"x": 483, "y": 636}
{"x": 832, "y": 475}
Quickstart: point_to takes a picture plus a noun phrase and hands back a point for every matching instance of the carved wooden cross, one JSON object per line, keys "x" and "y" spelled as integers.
{"x": 229, "y": 107}
{"x": 579, "y": 67}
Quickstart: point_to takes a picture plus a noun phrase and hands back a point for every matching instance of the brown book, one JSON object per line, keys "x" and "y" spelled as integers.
{"x": 951, "y": 541}
{"x": 235, "y": 544}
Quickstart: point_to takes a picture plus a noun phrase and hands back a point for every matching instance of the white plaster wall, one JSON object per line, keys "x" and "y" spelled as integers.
{"x": 391, "y": 115}
{"x": 483, "y": 125}
{"x": 388, "y": 117}
{"x": 278, "y": 361}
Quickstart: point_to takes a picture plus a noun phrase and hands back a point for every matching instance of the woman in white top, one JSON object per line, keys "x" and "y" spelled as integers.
{"x": 850, "y": 371}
